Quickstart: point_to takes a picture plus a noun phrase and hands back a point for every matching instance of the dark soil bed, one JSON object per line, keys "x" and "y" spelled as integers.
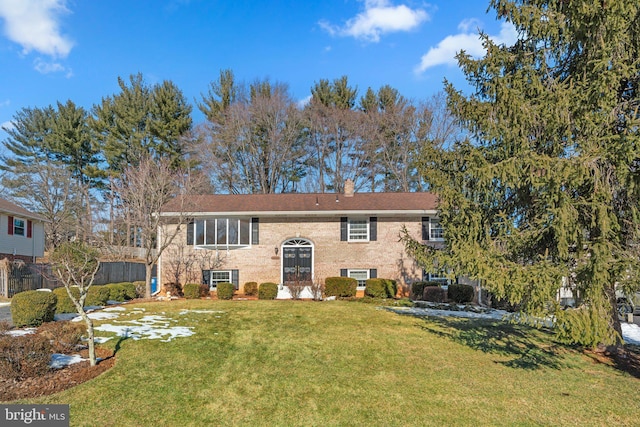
{"x": 56, "y": 380}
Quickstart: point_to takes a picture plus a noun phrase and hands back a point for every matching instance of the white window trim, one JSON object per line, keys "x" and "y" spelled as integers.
{"x": 432, "y": 228}
{"x": 213, "y": 286}
{"x": 227, "y": 245}
{"x": 365, "y": 270}
{"x": 367, "y": 226}
{"x": 24, "y": 227}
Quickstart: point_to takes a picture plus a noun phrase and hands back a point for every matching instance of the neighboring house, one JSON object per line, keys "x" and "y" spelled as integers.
{"x": 21, "y": 233}
{"x": 299, "y": 237}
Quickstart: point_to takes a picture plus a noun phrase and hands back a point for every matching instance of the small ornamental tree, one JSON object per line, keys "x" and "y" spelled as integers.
{"x": 75, "y": 264}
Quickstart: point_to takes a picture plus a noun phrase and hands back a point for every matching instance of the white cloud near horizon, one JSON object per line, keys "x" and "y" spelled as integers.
{"x": 35, "y": 25}
{"x": 468, "y": 40}
{"x": 8, "y": 125}
{"x": 379, "y": 17}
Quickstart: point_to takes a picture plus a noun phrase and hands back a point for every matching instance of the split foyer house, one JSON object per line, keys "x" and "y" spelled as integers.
{"x": 282, "y": 238}
{"x": 21, "y": 233}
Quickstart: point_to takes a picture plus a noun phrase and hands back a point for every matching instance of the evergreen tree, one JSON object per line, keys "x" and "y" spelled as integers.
{"x": 547, "y": 190}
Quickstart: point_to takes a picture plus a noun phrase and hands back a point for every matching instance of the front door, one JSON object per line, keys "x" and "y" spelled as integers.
{"x": 296, "y": 264}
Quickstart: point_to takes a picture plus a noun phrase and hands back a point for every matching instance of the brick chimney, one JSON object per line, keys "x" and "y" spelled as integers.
{"x": 348, "y": 188}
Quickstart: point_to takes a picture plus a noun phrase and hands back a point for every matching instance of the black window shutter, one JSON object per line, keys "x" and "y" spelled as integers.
{"x": 373, "y": 273}
{"x": 234, "y": 279}
{"x": 373, "y": 228}
{"x": 343, "y": 228}
{"x": 425, "y": 228}
{"x": 206, "y": 277}
{"x": 255, "y": 231}
{"x": 343, "y": 272}
{"x": 190, "y": 235}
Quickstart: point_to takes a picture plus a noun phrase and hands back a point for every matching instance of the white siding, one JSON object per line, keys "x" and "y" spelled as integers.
{"x": 21, "y": 245}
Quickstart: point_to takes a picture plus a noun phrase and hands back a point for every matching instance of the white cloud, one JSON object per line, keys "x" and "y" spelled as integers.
{"x": 44, "y": 67}
{"x": 304, "y": 102}
{"x": 5, "y": 103}
{"x": 34, "y": 25}
{"x": 379, "y": 17}
{"x": 468, "y": 40}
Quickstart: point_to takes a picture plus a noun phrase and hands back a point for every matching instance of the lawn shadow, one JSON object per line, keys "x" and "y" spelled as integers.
{"x": 518, "y": 342}
{"x": 116, "y": 349}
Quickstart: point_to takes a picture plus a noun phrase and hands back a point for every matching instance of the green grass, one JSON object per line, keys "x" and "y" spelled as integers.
{"x": 343, "y": 363}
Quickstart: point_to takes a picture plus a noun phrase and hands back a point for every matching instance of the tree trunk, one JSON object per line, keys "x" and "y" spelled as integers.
{"x": 147, "y": 268}
{"x": 90, "y": 339}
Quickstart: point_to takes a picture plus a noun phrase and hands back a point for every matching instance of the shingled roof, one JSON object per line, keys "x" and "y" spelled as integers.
{"x": 306, "y": 204}
{"x": 13, "y": 209}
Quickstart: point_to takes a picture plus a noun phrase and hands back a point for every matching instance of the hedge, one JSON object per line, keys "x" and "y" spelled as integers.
{"x": 251, "y": 288}
{"x": 342, "y": 287}
{"x": 460, "y": 294}
{"x": 434, "y": 294}
{"x": 225, "y": 290}
{"x": 96, "y": 296}
{"x": 417, "y": 289}
{"x": 33, "y": 308}
{"x": 376, "y": 288}
{"x": 191, "y": 290}
{"x": 268, "y": 290}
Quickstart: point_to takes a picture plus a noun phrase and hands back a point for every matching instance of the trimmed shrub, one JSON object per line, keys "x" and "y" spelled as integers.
{"x": 251, "y": 289}
{"x": 96, "y": 296}
{"x": 434, "y": 294}
{"x": 225, "y": 290}
{"x": 342, "y": 287}
{"x": 376, "y": 288}
{"x": 33, "y": 308}
{"x": 25, "y": 356}
{"x": 460, "y": 294}
{"x": 392, "y": 287}
{"x": 191, "y": 290}
{"x": 117, "y": 292}
{"x": 417, "y": 289}
{"x": 129, "y": 290}
{"x": 267, "y": 290}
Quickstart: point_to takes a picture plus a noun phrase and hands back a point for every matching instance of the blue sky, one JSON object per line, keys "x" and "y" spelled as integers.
{"x": 55, "y": 50}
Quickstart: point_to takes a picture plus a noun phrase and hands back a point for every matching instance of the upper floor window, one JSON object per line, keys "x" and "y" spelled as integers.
{"x": 358, "y": 230}
{"x": 431, "y": 229}
{"x": 220, "y": 232}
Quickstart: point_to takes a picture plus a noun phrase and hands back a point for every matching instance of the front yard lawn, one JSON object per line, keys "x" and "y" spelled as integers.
{"x": 343, "y": 363}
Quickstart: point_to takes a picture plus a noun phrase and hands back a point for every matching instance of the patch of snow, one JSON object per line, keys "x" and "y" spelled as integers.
{"x": 97, "y": 315}
{"x": 21, "y": 332}
{"x": 148, "y": 327}
{"x": 65, "y": 316}
{"x": 100, "y": 340}
{"x": 117, "y": 308}
{"x": 415, "y": 311}
{"x": 61, "y": 360}
{"x": 631, "y": 333}
{"x": 4, "y": 304}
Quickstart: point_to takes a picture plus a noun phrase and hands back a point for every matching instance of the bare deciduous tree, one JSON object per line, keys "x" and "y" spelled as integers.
{"x": 144, "y": 191}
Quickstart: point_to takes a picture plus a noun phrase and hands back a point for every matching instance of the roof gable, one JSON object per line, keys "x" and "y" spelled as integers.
{"x": 13, "y": 209}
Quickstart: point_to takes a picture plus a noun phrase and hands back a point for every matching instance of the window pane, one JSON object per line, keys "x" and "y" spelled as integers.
{"x": 244, "y": 231}
{"x": 233, "y": 232}
{"x": 18, "y": 227}
{"x": 436, "y": 229}
{"x": 358, "y": 229}
{"x": 360, "y": 275}
{"x": 210, "y": 235}
{"x": 222, "y": 231}
{"x": 220, "y": 277}
{"x": 200, "y": 232}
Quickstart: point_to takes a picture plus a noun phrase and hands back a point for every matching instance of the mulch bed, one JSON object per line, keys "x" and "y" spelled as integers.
{"x": 57, "y": 380}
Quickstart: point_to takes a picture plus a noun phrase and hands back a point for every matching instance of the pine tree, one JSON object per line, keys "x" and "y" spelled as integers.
{"x": 547, "y": 190}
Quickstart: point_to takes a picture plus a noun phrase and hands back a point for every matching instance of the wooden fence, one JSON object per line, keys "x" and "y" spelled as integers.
{"x": 36, "y": 276}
